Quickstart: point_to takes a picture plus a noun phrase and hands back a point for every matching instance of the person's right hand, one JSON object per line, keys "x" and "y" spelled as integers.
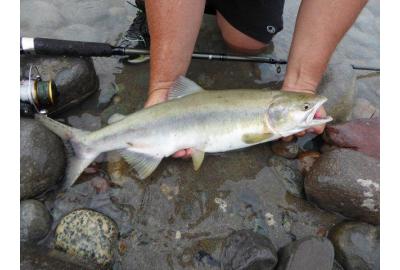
{"x": 158, "y": 96}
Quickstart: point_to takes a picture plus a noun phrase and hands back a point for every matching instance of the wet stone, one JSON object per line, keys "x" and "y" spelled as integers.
{"x": 356, "y": 245}
{"x": 288, "y": 173}
{"x": 42, "y": 158}
{"x": 337, "y": 266}
{"x": 246, "y": 249}
{"x": 74, "y": 77}
{"x": 339, "y": 86}
{"x": 307, "y": 160}
{"x": 347, "y": 182}
{"x": 364, "y": 109}
{"x": 285, "y": 149}
{"x": 362, "y": 135}
{"x": 308, "y": 253}
{"x": 35, "y": 221}
{"x": 87, "y": 234}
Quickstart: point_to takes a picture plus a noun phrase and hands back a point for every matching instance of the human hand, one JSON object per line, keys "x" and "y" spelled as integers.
{"x": 158, "y": 96}
{"x": 321, "y": 113}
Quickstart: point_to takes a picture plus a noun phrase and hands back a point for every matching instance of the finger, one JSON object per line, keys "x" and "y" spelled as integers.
{"x": 179, "y": 154}
{"x": 319, "y": 129}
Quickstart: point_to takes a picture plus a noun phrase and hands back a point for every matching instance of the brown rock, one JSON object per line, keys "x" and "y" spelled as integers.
{"x": 347, "y": 182}
{"x": 285, "y": 149}
{"x": 307, "y": 160}
{"x": 361, "y": 135}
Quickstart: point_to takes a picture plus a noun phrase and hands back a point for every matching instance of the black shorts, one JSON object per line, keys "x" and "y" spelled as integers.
{"x": 259, "y": 19}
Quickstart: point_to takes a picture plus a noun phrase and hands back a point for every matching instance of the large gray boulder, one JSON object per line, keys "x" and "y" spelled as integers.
{"x": 42, "y": 159}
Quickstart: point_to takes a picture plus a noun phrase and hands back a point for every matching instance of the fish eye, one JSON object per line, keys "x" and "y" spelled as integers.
{"x": 306, "y": 106}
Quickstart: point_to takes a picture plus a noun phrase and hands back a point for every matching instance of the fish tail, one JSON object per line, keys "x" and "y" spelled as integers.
{"x": 79, "y": 154}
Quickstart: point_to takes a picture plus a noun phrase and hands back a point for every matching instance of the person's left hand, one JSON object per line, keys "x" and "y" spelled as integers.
{"x": 319, "y": 114}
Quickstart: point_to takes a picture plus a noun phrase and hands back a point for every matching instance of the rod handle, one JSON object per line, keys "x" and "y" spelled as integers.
{"x": 56, "y": 47}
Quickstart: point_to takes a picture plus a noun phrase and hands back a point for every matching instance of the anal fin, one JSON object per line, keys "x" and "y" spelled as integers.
{"x": 197, "y": 157}
{"x": 143, "y": 164}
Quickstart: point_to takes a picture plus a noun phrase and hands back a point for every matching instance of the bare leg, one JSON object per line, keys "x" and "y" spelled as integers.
{"x": 237, "y": 40}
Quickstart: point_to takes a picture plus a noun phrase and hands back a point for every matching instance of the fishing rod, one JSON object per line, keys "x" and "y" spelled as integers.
{"x": 58, "y": 47}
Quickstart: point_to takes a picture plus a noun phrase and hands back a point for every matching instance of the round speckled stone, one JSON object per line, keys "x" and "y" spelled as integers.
{"x": 87, "y": 234}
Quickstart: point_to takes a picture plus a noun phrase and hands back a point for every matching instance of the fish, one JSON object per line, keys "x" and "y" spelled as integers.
{"x": 205, "y": 121}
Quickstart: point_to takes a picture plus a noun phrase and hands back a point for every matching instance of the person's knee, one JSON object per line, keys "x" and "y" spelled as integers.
{"x": 237, "y": 40}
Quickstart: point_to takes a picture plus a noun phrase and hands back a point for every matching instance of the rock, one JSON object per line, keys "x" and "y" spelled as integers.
{"x": 339, "y": 86}
{"x": 288, "y": 173}
{"x": 347, "y": 182}
{"x": 285, "y": 149}
{"x": 117, "y": 169}
{"x": 356, "y": 245}
{"x": 87, "y": 234}
{"x": 74, "y": 77}
{"x": 42, "y": 159}
{"x": 361, "y": 135}
{"x": 307, "y": 160}
{"x": 308, "y": 253}
{"x": 364, "y": 109}
{"x": 246, "y": 249}
{"x": 35, "y": 221}
{"x": 34, "y": 258}
{"x": 337, "y": 266}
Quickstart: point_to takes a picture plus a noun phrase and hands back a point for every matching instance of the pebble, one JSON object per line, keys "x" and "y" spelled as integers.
{"x": 35, "y": 221}
{"x": 285, "y": 149}
{"x": 287, "y": 172}
{"x": 306, "y": 254}
{"x": 307, "y": 160}
{"x": 347, "y": 182}
{"x": 356, "y": 245}
{"x": 246, "y": 249}
{"x": 87, "y": 234}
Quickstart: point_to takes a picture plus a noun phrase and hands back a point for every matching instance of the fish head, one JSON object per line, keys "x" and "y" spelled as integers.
{"x": 292, "y": 112}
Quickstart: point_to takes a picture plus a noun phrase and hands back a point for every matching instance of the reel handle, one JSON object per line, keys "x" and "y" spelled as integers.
{"x": 47, "y": 46}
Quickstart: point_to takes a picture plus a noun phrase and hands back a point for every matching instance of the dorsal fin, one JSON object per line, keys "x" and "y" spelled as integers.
{"x": 183, "y": 87}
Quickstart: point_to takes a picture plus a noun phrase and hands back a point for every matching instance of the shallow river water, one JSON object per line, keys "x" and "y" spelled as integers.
{"x": 166, "y": 221}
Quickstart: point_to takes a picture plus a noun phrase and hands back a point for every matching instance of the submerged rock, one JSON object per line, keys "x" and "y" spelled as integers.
{"x": 42, "y": 159}
{"x": 285, "y": 149}
{"x": 308, "y": 253}
{"x": 361, "y": 135}
{"x": 87, "y": 234}
{"x": 347, "y": 182}
{"x": 340, "y": 87}
{"x": 74, "y": 77}
{"x": 288, "y": 173}
{"x": 35, "y": 221}
{"x": 356, "y": 245}
{"x": 246, "y": 249}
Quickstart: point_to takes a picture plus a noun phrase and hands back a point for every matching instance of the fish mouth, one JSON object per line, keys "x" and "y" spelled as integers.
{"x": 314, "y": 120}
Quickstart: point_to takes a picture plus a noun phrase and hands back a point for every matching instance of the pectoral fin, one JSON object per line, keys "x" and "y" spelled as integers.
{"x": 183, "y": 87}
{"x": 197, "y": 157}
{"x": 143, "y": 164}
{"x": 253, "y": 138}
